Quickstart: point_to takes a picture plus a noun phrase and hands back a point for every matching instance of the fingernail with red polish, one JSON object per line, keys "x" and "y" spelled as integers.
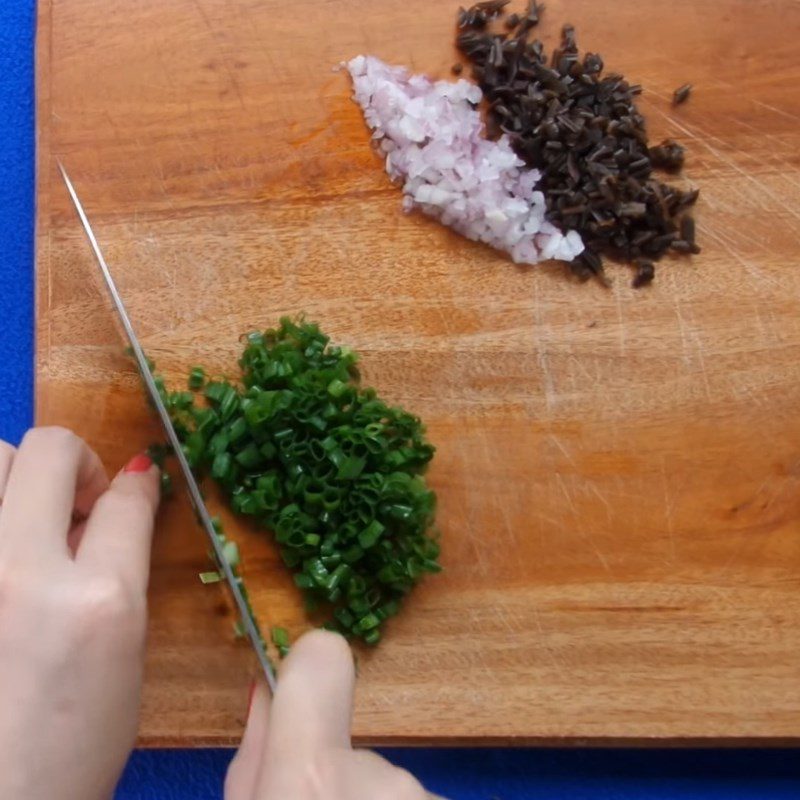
{"x": 139, "y": 463}
{"x": 250, "y": 697}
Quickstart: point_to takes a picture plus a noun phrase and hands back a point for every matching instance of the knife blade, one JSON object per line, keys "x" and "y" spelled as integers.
{"x": 234, "y": 583}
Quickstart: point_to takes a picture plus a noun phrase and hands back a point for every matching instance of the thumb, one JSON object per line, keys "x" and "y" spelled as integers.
{"x": 309, "y": 713}
{"x": 119, "y": 530}
{"x": 243, "y": 772}
{"x": 312, "y": 707}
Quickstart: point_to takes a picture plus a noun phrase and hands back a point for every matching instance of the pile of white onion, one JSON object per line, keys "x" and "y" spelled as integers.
{"x": 432, "y": 136}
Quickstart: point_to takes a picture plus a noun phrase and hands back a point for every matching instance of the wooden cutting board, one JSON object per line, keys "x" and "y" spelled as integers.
{"x": 618, "y": 470}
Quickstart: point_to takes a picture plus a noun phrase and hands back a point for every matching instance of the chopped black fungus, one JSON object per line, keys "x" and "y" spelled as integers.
{"x": 681, "y": 94}
{"x": 645, "y": 272}
{"x": 687, "y": 230}
{"x": 668, "y": 155}
{"x": 581, "y": 128}
{"x": 478, "y": 15}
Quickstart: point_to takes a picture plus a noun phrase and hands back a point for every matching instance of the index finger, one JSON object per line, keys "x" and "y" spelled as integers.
{"x": 312, "y": 707}
{"x": 119, "y": 531}
{"x": 55, "y": 474}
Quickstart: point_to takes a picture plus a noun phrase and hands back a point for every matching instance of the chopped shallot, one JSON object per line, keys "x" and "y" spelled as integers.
{"x": 432, "y": 137}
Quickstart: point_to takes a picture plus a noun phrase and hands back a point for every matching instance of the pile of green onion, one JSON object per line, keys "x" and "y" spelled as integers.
{"x": 329, "y": 468}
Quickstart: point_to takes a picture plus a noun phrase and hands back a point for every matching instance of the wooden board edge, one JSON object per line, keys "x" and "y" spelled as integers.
{"x": 41, "y": 256}
{"x": 545, "y": 743}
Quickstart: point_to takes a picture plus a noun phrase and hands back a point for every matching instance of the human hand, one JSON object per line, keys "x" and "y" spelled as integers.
{"x": 74, "y": 564}
{"x": 298, "y": 745}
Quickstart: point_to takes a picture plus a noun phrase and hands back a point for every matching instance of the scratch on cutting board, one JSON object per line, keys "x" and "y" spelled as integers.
{"x": 601, "y": 497}
{"x": 700, "y": 347}
{"x": 669, "y": 510}
{"x": 504, "y": 616}
{"x": 749, "y": 267}
{"x": 497, "y": 500}
{"x": 702, "y": 359}
{"x": 780, "y": 111}
{"x": 557, "y": 442}
{"x": 162, "y": 180}
{"x": 541, "y": 350}
{"x": 771, "y": 156}
{"x": 682, "y": 326}
{"x": 758, "y": 243}
{"x": 704, "y": 138}
{"x": 476, "y": 538}
{"x": 547, "y": 378}
{"x": 173, "y": 285}
{"x": 567, "y": 494}
{"x": 579, "y": 364}
{"x": 454, "y": 285}
{"x": 783, "y": 173}
{"x": 621, "y": 318}
{"x": 577, "y": 528}
{"x": 438, "y": 306}
{"x": 755, "y": 397}
{"x": 765, "y": 332}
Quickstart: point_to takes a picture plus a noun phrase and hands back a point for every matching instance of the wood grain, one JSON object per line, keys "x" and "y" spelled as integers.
{"x": 618, "y": 470}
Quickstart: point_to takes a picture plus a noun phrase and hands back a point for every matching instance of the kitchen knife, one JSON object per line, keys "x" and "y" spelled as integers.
{"x": 234, "y": 582}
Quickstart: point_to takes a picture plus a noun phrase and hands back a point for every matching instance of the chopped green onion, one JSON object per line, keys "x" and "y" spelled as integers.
{"x": 337, "y": 388}
{"x": 222, "y": 467}
{"x": 237, "y": 430}
{"x": 230, "y": 552}
{"x": 351, "y": 468}
{"x": 197, "y": 378}
{"x": 280, "y": 638}
{"x": 368, "y": 622}
{"x": 372, "y": 636}
{"x": 166, "y": 484}
{"x": 220, "y": 442}
{"x": 210, "y": 577}
{"x": 325, "y": 465}
{"x": 303, "y": 581}
{"x": 214, "y": 391}
{"x": 250, "y": 457}
{"x": 370, "y": 534}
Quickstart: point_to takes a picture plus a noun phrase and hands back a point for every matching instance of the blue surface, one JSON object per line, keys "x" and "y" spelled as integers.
{"x": 518, "y": 774}
{"x": 457, "y": 774}
{"x": 16, "y": 220}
